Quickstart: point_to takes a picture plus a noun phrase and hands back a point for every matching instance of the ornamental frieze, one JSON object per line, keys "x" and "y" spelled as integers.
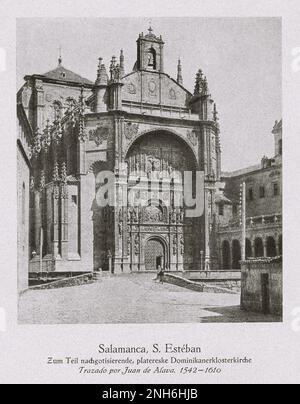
{"x": 155, "y": 229}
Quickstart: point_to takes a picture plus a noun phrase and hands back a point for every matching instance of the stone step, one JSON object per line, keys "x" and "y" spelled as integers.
{"x": 101, "y": 274}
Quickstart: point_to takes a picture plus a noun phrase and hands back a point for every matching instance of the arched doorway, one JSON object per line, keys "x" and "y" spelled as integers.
{"x": 155, "y": 255}
{"x": 156, "y": 162}
{"x": 236, "y": 254}
{"x": 226, "y": 254}
{"x": 249, "y": 252}
{"x": 259, "y": 248}
{"x": 271, "y": 247}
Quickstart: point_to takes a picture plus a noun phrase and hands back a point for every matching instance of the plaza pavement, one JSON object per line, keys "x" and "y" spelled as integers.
{"x": 130, "y": 299}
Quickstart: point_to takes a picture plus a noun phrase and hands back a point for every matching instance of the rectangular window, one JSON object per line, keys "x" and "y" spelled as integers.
{"x": 262, "y": 192}
{"x": 276, "y": 189}
{"x": 250, "y": 194}
{"x": 221, "y": 210}
{"x": 234, "y": 210}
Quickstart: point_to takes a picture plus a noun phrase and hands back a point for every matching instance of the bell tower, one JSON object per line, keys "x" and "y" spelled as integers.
{"x": 150, "y": 55}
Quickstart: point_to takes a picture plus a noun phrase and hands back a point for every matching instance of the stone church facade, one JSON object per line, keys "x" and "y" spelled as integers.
{"x": 144, "y": 121}
{"x": 142, "y": 126}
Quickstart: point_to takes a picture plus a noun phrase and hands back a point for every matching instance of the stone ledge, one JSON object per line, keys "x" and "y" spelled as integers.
{"x": 195, "y": 286}
{"x": 65, "y": 282}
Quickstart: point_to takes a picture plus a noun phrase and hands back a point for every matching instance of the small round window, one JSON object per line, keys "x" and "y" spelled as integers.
{"x": 63, "y": 75}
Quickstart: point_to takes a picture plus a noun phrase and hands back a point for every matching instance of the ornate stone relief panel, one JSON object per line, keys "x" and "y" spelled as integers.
{"x": 131, "y": 88}
{"x": 152, "y": 87}
{"x": 99, "y": 134}
{"x": 193, "y": 135}
{"x": 172, "y": 94}
{"x": 131, "y": 130}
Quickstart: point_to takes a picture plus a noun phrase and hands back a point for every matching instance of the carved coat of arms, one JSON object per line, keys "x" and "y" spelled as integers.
{"x": 131, "y": 130}
{"x": 192, "y": 136}
{"x": 99, "y": 135}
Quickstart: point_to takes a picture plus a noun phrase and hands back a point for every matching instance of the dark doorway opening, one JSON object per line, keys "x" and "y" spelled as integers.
{"x": 271, "y": 247}
{"x": 154, "y": 255}
{"x": 259, "y": 248}
{"x": 249, "y": 252}
{"x": 236, "y": 254}
{"x": 226, "y": 255}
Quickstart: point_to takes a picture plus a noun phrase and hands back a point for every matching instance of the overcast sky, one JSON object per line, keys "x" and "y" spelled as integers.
{"x": 241, "y": 58}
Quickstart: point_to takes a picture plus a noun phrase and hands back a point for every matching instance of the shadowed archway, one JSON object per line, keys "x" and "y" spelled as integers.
{"x": 236, "y": 254}
{"x": 225, "y": 255}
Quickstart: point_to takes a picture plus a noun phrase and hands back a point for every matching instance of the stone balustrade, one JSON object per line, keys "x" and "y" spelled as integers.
{"x": 252, "y": 222}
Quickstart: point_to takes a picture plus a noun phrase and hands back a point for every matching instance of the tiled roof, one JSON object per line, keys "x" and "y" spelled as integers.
{"x": 61, "y": 73}
{"x": 243, "y": 171}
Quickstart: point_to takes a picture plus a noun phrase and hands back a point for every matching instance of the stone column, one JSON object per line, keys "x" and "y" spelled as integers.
{"x": 37, "y": 220}
{"x": 87, "y": 201}
{"x": 49, "y": 218}
{"x": 265, "y": 247}
{"x": 56, "y": 221}
{"x": 207, "y": 265}
{"x": 64, "y": 221}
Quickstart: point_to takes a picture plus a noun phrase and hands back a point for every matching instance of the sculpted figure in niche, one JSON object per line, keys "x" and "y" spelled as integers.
{"x": 137, "y": 245}
{"x": 134, "y": 215}
{"x": 173, "y": 216}
{"x": 182, "y": 245}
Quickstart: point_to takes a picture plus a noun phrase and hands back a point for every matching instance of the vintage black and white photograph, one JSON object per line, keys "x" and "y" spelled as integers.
{"x": 149, "y": 170}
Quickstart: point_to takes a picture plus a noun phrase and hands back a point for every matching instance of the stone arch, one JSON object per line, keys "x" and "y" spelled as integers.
{"x": 96, "y": 166}
{"x": 271, "y": 247}
{"x": 151, "y": 58}
{"x": 169, "y": 131}
{"x": 151, "y": 239}
{"x": 226, "y": 255}
{"x": 159, "y": 205}
{"x": 259, "y": 247}
{"x": 236, "y": 254}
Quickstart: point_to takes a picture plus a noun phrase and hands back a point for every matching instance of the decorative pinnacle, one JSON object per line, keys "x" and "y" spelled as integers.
{"x": 55, "y": 172}
{"x": 64, "y": 172}
{"x": 179, "y": 73}
{"x": 101, "y": 73}
{"x": 122, "y": 65}
{"x": 201, "y": 86}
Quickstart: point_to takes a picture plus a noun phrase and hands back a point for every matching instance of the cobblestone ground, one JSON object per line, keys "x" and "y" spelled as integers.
{"x": 130, "y": 299}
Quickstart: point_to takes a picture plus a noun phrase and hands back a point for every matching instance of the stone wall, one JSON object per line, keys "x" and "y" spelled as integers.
{"x": 263, "y": 177}
{"x": 262, "y": 286}
{"x": 23, "y": 221}
{"x": 220, "y": 279}
{"x": 195, "y": 286}
{"x": 66, "y": 282}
